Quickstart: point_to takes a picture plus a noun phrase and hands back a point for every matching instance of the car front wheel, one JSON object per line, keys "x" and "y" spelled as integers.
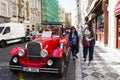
{"x": 61, "y": 67}
{"x": 22, "y": 40}
{"x": 11, "y": 63}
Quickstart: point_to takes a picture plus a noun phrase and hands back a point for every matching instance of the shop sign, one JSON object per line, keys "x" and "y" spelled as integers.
{"x": 117, "y": 7}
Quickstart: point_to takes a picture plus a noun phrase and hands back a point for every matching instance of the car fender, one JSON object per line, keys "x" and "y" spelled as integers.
{"x": 58, "y": 53}
{"x": 14, "y": 51}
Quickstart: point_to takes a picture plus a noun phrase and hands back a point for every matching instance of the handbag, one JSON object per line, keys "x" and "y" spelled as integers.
{"x": 86, "y": 43}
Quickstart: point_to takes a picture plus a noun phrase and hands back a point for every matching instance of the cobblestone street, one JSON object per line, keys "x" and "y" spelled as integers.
{"x": 105, "y": 65}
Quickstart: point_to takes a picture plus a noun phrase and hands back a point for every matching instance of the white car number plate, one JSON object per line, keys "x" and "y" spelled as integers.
{"x": 30, "y": 69}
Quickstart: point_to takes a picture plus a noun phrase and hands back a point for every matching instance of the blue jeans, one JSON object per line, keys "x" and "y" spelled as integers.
{"x": 89, "y": 50}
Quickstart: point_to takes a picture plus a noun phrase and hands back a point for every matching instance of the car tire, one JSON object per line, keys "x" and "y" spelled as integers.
{"x": 12, "y": 63}
{"x": 61, "y": 65}
{"x": 3, "y": 43}
{"x": 28, "y": 39}
{"x": 22, "y": 40}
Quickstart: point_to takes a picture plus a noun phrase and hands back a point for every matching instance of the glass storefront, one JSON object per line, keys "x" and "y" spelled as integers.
{"x": 100, "y": 28}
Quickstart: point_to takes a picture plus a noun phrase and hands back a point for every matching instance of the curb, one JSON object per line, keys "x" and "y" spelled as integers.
{"x": 78, "y": 73}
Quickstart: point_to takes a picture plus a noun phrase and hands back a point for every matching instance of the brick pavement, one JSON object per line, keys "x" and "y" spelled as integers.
{"x": 105, "y": 66}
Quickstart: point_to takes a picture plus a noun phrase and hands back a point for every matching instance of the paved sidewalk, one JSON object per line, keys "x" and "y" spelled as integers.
{"x": 105, "y": 66}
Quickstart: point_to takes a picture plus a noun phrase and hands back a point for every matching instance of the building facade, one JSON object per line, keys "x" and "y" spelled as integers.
{"x": 98, "y": 15}
{"x": 105, "y": 17}
{"x": 78, "y": 13}
{"x": 114, "y": 23}
{"x": 62, "y": 13}
{"x": 83, "y": 11}
{"x": 24, "y": 11}
{"x": 50, "y": 11}
{"x": 65, "y": 17}
{"x": 68, "y": 19}
{"x": 33, "y": 14}
{"x": 75, "y": 18}
{"x": 4, "y": 11}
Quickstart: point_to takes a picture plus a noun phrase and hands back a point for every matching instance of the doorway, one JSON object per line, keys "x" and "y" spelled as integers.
{"x": 118, "y": 32}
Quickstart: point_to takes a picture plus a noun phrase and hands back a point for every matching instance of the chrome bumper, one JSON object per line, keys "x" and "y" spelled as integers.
{"x": 46, "y": 70}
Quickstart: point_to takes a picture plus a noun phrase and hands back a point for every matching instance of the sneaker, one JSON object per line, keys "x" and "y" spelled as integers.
{"x": 76, "y": 56}
{"x": 88, "y": 63}
{"x": 73, "y": 59}
{"x": 84, "y": 59}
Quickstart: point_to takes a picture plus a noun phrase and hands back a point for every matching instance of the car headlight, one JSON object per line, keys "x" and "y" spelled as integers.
{"x": 15, "y": 59}
{"x": 21, "y": 52}
{"x": 62, "y": 45}
{"x": 50, "y": 62}
{"x": 44, "y": 53}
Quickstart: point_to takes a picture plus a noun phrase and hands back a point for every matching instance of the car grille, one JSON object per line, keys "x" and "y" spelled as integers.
{"x": 33, "y": 50}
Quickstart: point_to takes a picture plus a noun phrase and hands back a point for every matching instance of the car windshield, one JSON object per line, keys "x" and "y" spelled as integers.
{"x": 1, "y": 29}
{"x": 51, "y": 30}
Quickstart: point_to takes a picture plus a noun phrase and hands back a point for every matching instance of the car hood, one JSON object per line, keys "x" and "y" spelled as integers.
{"x": 48, "y": 43}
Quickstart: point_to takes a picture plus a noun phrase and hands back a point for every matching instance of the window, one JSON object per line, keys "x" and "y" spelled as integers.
{"x": 3, "y": 9}
{"x": 7, "y": 30}
{"x": 118, "y": 27}
{"x": 14, "y": 11}
{"x": 1, "y": 29}
{"x": 101, "y": 23}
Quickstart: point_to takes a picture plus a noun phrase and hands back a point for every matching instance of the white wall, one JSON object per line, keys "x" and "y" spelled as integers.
{"x": 111, "y": 24}
{"x": 4, "y": 8}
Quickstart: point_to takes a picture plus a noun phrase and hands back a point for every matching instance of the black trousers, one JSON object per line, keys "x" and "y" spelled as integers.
{"x": 74, "y": 49}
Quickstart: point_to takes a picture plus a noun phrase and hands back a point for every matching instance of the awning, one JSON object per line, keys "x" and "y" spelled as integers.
{"x": 117, "y": 7}
{"x": 94, "y": 9}
{"x": 92, "y": 6}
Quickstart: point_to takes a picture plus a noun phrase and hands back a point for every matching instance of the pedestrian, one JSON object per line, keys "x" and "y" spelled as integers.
{"x": 74, "y": 42}
{"x": 28, "y": 35}
{"x": 88, "y": 42}
{"x": 33, "y": 33}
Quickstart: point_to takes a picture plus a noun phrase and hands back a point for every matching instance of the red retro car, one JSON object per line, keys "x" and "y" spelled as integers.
{"x": 48, "y": 53}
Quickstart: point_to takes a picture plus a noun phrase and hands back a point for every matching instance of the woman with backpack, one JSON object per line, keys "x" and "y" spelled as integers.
{"x": 74, "y": 42}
